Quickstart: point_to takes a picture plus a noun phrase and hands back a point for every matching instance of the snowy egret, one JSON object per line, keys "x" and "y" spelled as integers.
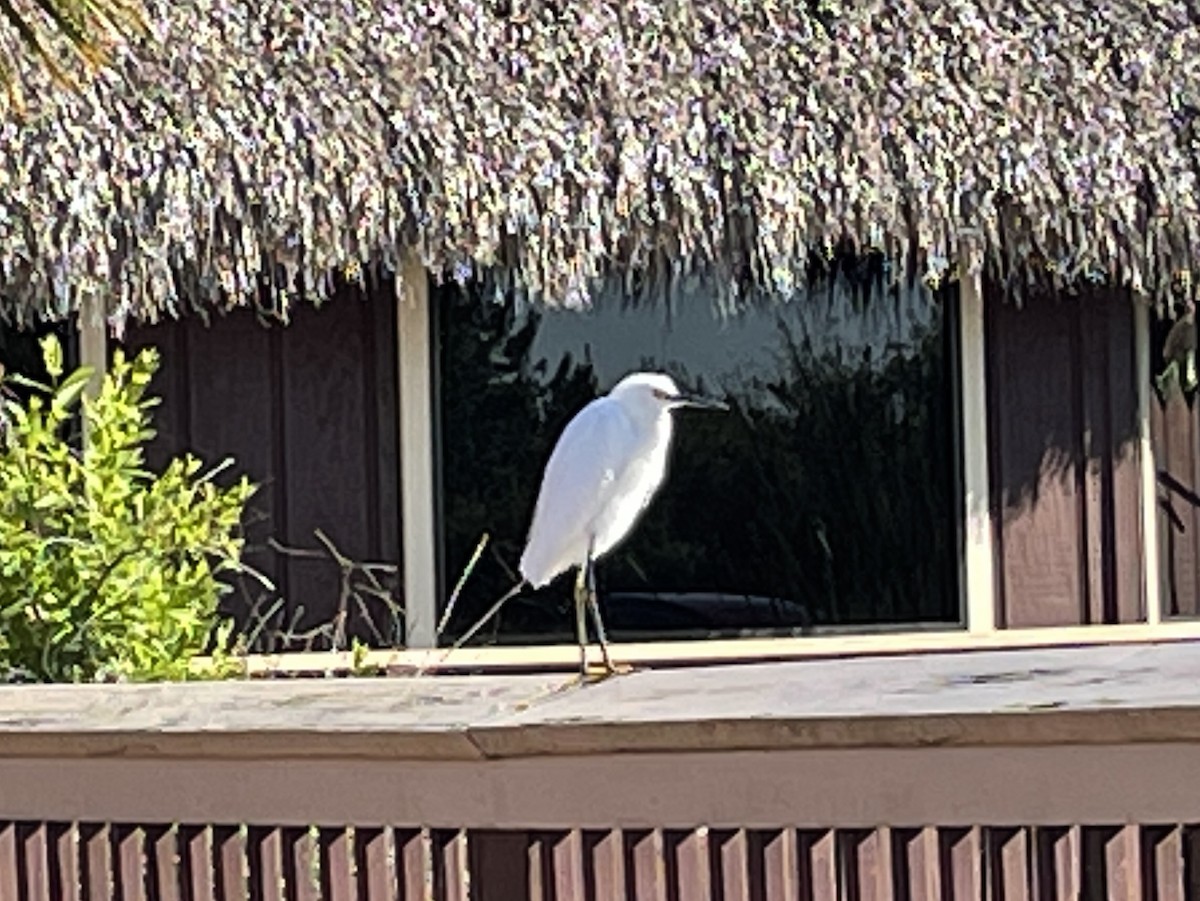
{"x": 608, "y": 464}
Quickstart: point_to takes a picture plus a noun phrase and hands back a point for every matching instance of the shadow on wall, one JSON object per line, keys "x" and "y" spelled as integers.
{"x": 1062, "y": 403}
{"x": 1065, "y": 467}
{"x": 1175, "y": 426}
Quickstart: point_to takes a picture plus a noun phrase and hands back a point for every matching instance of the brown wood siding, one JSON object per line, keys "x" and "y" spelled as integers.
{"x": 1063, "y": 460}
{"x": 309, "y": 412}
{"x": 1175, "y": 430}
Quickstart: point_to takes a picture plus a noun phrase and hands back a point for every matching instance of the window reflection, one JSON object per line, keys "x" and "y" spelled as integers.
{"x": 827, "y": 497}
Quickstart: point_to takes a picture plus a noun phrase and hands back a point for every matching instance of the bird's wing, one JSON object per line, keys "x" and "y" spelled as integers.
{"x": 594, "y": 451}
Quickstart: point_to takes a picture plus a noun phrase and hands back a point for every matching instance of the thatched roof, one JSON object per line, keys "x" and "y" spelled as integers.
{"x": 558, "y": 141}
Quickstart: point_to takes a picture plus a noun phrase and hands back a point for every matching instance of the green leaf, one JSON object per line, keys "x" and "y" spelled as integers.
{"x": 72, "y": 387}
{"x": 17, "y": 379}
{"x": 53, "y": 356}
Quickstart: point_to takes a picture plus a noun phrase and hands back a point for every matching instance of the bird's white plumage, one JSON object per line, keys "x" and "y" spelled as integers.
{"x": 607, "y": 465}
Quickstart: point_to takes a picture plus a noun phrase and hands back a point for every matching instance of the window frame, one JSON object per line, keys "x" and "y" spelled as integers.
{"x": 417, "y": 441}
{"x": 977, "y": 629}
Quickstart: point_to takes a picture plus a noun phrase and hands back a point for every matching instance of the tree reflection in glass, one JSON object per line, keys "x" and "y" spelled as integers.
{"x": 828, "y": 497}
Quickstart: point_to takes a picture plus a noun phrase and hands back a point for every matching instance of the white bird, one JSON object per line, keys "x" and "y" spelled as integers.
{"x": 607, "y": 465}
{"x": 609, "y": 462}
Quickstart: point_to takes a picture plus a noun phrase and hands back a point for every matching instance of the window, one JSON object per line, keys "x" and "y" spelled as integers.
{"x": 829, "y": 497}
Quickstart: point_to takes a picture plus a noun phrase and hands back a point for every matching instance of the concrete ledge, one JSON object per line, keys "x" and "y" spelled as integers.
{"x": 1063, "y": 696}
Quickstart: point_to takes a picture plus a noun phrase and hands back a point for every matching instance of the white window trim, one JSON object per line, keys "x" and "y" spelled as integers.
{"x": 418, "y": 510}
{"x": 1149, "y": 478}
{"x": 526, "y": 658}
{"x": 93, "y": 346}
{"x": 979, "y": 595}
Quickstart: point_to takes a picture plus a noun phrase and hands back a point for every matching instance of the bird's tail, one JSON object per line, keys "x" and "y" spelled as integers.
{"x": 479, "y": 624}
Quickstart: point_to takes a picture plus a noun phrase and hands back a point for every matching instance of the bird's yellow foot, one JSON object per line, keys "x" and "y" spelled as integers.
{"x": 598, "y": 672}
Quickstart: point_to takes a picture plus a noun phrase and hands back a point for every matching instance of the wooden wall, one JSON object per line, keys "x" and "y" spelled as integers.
{"x": 1064, "y": 467}
{"x": 309, "y": 412}
{"x": 1175, "y": 427}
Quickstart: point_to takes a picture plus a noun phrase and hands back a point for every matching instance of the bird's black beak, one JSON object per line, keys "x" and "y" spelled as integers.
{"x": 698, "y": 401}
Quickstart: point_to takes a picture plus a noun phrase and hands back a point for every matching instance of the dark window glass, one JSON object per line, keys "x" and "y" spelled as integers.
{"x": 827, "y": 497}
{"x": 21, "y": 354}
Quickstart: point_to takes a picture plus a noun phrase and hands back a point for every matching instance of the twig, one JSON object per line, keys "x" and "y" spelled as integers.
{"x": 508, "y": 570}
{"x": 479, "y": 624}
{"x": 467, "y": 570}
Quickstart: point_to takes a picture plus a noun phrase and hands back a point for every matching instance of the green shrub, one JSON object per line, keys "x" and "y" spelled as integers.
{"x": 107, "y": 570}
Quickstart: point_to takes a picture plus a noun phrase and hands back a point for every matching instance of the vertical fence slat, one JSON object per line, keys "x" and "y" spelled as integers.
{"x": 450, "y": 878}
{"x": 374, "y": 864}
{"x": 95, "y": 855}
{"x": 229, "y": 847}
{"x": 8, "y": 862}
{"x": 925, "y": 865}
{"x": 63, "y": 852}
{"x": 1059, "y": 853}
{"x": 865, "y": 864}
{"x": 337, "y": 856}
{"x": 645, "y": 872}
{"x": 915, "y": 864}
{"x": 780, "y": 865}
{"x": 1008, "y": 856}
{"x": 1190, "y": 852}
{"x": 567, "y": 860}
{"x": 1068, "y": 858}
{"x": 34, "y": 863}
{"x": 128, "y": 855}
{"x": 691, "y": 864}
{"x": 195, "y": 862}
{"x": 540, "y": 877}
{"x": 300, "y": 865}
{"x": 264, "y": 850}
{"x": 1123, "y": 864}
{"x": 498, "y": 864}
{"x": 729, "y": 849}
{"x": 605, "y": 853}
{"x": 162, "y": 863}
{"x": 1162, "y": 863}
{"x": 1069, "y": 862}
{"x": 961, "y": 853}
{"x": 414, "y": 858}
{"x": 817, "y": 864}
{"x": 876, "y": 859}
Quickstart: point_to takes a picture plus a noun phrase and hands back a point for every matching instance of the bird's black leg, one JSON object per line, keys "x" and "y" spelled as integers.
{"x": 594, "y": 603}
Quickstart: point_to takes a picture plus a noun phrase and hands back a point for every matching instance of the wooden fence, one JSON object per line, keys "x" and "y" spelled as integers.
{"x": 1044, "y": 774}
{"x": 45, "y": 861}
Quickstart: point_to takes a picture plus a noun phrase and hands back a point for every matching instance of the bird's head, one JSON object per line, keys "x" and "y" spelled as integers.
{"x": 656, "y": 392}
